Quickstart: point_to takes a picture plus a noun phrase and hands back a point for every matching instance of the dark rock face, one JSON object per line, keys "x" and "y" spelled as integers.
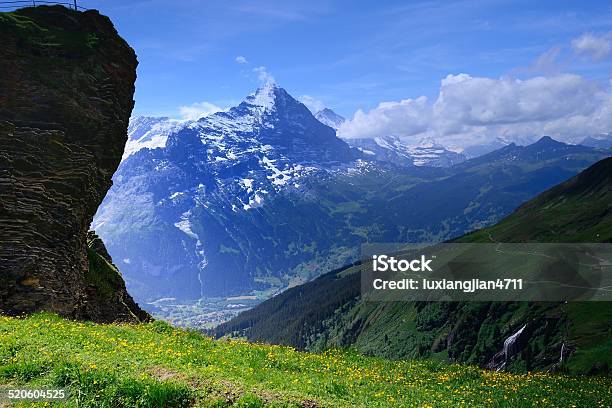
{"x": 66, "y": 87}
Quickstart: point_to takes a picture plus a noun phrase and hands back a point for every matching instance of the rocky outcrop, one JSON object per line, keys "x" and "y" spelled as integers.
{"x": 95, "y": 243}
{"x": 66, "y": 95}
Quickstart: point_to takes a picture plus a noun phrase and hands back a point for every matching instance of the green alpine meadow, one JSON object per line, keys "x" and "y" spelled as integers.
{"x": 156, "y": 365}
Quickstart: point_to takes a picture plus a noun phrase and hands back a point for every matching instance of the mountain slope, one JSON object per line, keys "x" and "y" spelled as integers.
{"x": 314, "y": 317}
{"x": 578, "y": 210}
{"x": 330, "y": 118}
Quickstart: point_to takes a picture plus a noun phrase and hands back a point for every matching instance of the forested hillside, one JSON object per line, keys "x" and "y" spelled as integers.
{"x": 329, "y": 311}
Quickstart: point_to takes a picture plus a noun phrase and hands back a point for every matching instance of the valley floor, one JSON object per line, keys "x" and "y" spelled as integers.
{"x": 156, "y": 365}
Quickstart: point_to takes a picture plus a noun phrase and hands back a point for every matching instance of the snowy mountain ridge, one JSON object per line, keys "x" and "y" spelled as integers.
{"x": 147, "y": 132}
{"x": 392, "y": 149}
{"x": 248, "y": 149}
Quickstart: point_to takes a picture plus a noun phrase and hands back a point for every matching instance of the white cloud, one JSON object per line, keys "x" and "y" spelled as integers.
{"x": 241, "y": 60}
{"x": 405, "y": 118}
{"x": 465, "y": 100}
{"x": 470, "y": 110}
{"x": 312, "y": 103}
{"x": 597, "y": 47}
{"x": 263, "y": 75}
{"x": 198, "y": 110}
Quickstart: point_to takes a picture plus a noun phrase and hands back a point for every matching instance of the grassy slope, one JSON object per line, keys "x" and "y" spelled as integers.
{"x": 579, "y": 210}
{"x": 157, "y": 365}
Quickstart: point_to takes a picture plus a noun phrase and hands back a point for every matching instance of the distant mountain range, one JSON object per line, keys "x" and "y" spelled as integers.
{"x": 477, "y": 150}
{"x": 602, "y": 141}
{"x": 265, "y": 196}
{"x": 329, "y": 311}
{"x": 392, "y": 149}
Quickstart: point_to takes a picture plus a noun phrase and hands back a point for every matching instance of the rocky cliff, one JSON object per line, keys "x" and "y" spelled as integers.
{"x": 66, "y": 95}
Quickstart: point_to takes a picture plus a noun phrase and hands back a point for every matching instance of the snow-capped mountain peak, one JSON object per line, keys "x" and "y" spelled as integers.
{"x": 269, "y": 139}
{"x": 187, "y": 176}
{"x": 264, "y": 98}
{"x": 272, "y": 117}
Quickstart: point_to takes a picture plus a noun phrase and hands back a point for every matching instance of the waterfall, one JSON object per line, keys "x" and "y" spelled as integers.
{"x": 509, "y": 342}
{"x": 562, "y": 350}
{"x": 508, "y": 348}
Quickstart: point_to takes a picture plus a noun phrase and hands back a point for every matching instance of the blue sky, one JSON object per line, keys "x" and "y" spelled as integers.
{"x": 347, "y": 54}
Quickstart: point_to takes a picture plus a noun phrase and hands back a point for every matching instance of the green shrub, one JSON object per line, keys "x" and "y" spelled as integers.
{"x": 159, "y": 326}
{"x": 23, "y": 370}
{"x": 168, "y": 395}
{"x": 250, "y": 400}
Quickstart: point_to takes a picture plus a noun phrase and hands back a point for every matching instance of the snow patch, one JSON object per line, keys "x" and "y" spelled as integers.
{"x": 264, "y": 97}
{"x": 149, "y": 133}
{"x": 185, "y": 225}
